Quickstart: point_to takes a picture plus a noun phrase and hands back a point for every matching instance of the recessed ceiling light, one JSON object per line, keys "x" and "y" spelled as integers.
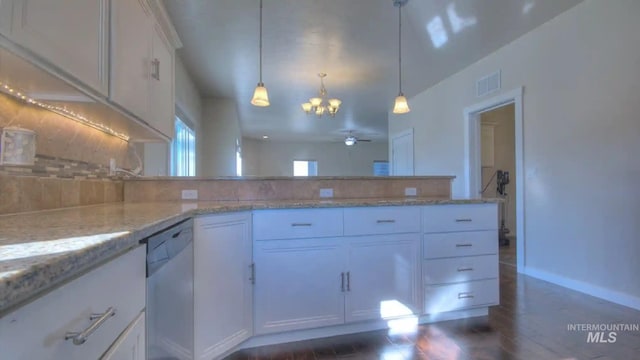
{"x": 265, "y": 136}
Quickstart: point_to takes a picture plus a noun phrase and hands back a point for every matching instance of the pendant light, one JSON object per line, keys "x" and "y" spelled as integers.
{"x": 260, "y": 95}
{"x": 401, "y": 106}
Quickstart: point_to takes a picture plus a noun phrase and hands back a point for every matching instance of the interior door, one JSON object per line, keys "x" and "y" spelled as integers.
{"x": 402, "y": 153}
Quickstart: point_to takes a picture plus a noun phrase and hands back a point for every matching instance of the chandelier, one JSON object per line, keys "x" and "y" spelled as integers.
{"x": 317, "y": 105}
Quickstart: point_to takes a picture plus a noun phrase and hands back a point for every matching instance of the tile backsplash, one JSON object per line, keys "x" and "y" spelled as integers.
{"x": 247, "y": 189}
{"x": 31, "y": 193}
{"x": 71, "y": 166}
{"x": 64, "y": 147}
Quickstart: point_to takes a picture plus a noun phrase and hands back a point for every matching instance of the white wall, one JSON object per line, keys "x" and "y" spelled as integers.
{"x": 581, "y": 78}
{"x": 220, "y": 129}
{"x": 269, "y": 158}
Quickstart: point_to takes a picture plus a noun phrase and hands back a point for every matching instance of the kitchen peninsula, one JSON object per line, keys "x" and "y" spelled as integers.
{"x": 372, "y": 259}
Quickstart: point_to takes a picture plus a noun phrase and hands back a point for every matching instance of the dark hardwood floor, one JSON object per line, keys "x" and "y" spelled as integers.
{"x": 531, "y": 322}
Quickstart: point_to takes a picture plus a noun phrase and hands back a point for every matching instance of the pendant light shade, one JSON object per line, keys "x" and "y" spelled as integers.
{"x": 401, "y": 105}
{"x": 260, "y": 95}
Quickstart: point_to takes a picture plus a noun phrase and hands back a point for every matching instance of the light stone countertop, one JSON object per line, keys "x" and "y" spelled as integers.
{"x": 41, "y": 250}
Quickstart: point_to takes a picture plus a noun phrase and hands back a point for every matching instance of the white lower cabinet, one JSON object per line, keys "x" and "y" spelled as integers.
{"x": 304, "y": 283}
{"x": 460, "y": 252}
{"x": 382, "y": 277}
{"x": 298, "y": 284}
{"x": 223, "y": 289}
{"x": 110, "y": 298}
{"x": 131, "y": 343}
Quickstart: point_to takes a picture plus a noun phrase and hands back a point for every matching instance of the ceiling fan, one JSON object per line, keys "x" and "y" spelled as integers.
{"x": 351, "y": 140}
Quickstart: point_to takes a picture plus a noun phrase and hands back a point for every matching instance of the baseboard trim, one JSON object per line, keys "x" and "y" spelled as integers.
{"x": 364, "y": 326}
{"x": 583, "y": 287}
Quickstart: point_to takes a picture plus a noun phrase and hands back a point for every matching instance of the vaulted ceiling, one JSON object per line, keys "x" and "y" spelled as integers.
{"x": 354, "y": 41}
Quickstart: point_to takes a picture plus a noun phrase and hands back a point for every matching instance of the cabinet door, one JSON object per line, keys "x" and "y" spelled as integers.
{"x": 130, "y": 345}
{"x": 298, "y": 284}
{"x": 222, "y": 283}
{"x": 72, "y": 36}
{"x": 38, "y": 329}
{"x": 131, "y": 26}
{"x": 383, "y": 277}
{"x": 5, "y": 16}
{"x": 162, "y": 84}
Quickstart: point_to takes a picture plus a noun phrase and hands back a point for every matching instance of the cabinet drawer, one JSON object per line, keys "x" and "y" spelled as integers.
{"x": 440, "y": 298}
{"x": 381, "y": 220}
{"x": 37, "y": 330}
{"x": 297, "y": 223}
{"x": 460, "y": 244}
{"x": 460, "y": 269}
{"x": 466, "y": 217}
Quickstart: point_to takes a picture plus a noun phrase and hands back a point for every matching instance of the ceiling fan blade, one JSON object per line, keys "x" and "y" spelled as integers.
{"x": 365, "y": 140}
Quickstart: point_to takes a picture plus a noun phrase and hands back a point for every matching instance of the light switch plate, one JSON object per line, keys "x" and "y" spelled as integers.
{"x": 189, "y": 194}
{"x": 326, "y": 193}
{"x": 410, "y": 192}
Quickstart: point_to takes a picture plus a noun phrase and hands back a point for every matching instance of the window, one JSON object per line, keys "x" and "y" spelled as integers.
{"x": 183, "y": 150}
{"x": 305, "y": 168}
{"x": 380, "y": 168}
{"x": 238, "y": 158}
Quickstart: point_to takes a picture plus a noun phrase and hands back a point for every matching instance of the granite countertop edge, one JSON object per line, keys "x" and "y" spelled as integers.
{"x": 45, "y": 272}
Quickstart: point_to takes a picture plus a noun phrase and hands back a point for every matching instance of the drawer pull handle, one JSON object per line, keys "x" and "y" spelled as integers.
{"x": 465, "y": 269}
{"x": 464, "y": 245}
{"x": 300, "y": 224}
{"x": 465, "y": 295}
{"x": 464, "y": 220}
{"x": 386, "y": 221}
{"x": 80, "y": 338}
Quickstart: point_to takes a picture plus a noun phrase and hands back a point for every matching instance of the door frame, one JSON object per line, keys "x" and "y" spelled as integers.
{"x": 398, "y": 135}
{"x": 473, "y": 165}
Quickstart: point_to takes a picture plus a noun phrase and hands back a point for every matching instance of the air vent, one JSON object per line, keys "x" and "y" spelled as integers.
{"x": 488, "y": 84}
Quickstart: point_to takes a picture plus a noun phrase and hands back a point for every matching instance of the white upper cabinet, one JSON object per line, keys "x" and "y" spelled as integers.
{"x": 142, "y": 65}
{"x": 162, "y": 84}
{"x": 5, "y": 17}
{"x": 131, "y": 37}
{"x": 72, "y": 36}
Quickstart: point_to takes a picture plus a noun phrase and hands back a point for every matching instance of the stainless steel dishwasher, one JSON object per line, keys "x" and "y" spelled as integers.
{"x": 170, "y": 293}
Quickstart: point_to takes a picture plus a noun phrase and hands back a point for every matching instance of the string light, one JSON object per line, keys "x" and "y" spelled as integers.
{"x": 5, "y": 88}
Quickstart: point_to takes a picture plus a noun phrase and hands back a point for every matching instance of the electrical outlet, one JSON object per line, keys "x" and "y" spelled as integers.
{"x": 326, "y": 193}
{"x": 189, "y": 194}
{"x": 410, "y": 192}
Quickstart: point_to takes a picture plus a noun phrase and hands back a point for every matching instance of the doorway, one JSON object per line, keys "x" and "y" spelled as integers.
{"x": 402, "y": 153}
{"x": 498, "y": 173}
{"x": 482, "y": 174}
